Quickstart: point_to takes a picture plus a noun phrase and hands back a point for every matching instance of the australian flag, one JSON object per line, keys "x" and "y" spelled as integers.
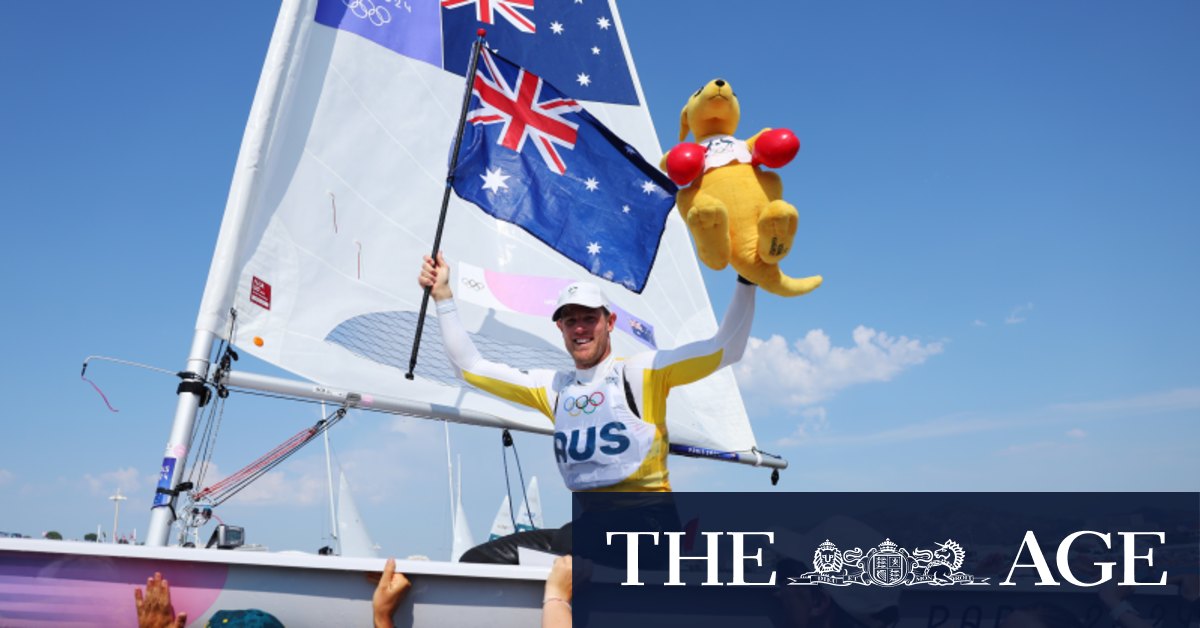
{"x": 534, "y": 157}
{"x": 572, "y": 43}
{"x": 531, "y": 155}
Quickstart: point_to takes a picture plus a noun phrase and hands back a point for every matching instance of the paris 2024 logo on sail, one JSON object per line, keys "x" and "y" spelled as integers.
{"x": 888, "y": 565}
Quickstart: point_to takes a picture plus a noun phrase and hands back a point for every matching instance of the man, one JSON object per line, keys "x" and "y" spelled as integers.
{"x": 609, "y": 414}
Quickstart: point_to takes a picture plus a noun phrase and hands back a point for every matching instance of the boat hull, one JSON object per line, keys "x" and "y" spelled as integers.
{"x": 66, "y": 583}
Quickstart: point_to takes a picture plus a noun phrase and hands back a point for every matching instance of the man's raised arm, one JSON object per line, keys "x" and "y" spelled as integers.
{"x": 506, "y": 382}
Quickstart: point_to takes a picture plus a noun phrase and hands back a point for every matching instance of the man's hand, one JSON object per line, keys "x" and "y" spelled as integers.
{"x": 390, "y": 591}
{"x": 436, "y": 277}
{"x": 558, "y": 584}
{"x": 556, "y": 606}
{"x": 154, "y": 609}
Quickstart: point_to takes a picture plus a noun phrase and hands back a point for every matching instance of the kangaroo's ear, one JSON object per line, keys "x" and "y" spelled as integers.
{"x": 683, "y": 125}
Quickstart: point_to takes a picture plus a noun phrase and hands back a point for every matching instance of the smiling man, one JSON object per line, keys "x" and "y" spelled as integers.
{"x": 609, "y": 414}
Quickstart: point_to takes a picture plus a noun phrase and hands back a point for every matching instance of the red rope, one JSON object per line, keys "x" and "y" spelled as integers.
{"x": 101, "y": 392}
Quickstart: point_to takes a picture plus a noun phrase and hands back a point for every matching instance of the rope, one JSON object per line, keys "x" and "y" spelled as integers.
{"x": 216, "y": 412}
{"x": 220, "y": 492}
{"x": 524, "y": 496}
{"x": 506, "y": 441}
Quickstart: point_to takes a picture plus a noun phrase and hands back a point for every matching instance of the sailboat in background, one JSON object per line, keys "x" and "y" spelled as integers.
{"x": 352, "y": 535}
{"x": 529, "y": 517}
{"x": 463, "y": 540}
{"x": 337, "y": 187}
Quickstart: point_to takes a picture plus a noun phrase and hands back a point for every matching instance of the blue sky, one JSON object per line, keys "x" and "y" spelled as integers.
{"x": 1001, "y": 196}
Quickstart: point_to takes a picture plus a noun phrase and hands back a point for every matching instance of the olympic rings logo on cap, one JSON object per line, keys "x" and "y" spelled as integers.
{"x": 585, "y": 404}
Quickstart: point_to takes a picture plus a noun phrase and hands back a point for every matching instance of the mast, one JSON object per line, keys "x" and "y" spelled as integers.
{"x": 333, "y": 530}
{"x": 450, "y": 477}
{"x": 222, "y": 279}
{"x": 162, "y": 513}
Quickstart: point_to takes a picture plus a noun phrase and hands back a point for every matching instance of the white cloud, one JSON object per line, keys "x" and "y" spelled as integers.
{"x": 6, "y": 476}
{"x": 814, "y": 421}
{"x": 1018, "y": 314}
{"x": 1076, "y": 433}
{"x": 285, "y": 488}
{"x": 979, "y": 323}
{"x": 811, "y": 370}
{"x": 126, "y": 479}
{"x": 414, "y": 427}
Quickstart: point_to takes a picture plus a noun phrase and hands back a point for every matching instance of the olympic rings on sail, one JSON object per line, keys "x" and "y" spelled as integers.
{"x": 585, "y": 404}
{"x": 367, "y": 10}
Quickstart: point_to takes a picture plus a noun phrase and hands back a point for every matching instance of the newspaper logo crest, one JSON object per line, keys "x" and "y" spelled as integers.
{"x": 888, "y": 565}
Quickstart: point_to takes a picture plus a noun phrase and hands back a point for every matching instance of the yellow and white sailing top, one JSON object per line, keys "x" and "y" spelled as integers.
{"x": 600, "y": 442}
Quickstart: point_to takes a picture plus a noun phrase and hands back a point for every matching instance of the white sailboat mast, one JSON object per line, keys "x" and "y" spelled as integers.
{"x": 449, "y": 475}
{"x": 222, "y": 274}
{"x": 329, "y": 476}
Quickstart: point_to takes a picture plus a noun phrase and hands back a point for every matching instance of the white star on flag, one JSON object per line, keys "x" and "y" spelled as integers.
{"x": 594, "y": 248}
{"x": 595, "y": 50}
{"x": 556, "y": 27}
{"x": 583, "y": 79}
{"x": 494, "y": 180}
{"x": 648, "y": 187}
{"x": 591, "y": 184}
{"x": 603, "y": 23}
{"x": 625, "y": 209}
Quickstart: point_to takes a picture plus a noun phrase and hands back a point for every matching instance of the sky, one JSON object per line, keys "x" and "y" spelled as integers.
{"x": 1001, "y": 196}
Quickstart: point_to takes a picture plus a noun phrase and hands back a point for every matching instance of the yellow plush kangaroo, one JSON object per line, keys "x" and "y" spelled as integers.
{"x": 735, "y": 210}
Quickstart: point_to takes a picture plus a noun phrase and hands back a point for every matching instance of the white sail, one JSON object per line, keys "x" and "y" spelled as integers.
{"x": 502, "y": 525}
{"x": 529, "y": 517}
{"x": 335, "y": 199}
{"x": 353, "y": 538}
{"x": 463, "y": 540}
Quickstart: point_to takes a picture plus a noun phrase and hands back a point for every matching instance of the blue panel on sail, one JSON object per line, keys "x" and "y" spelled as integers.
{"x": 410, "y": 28}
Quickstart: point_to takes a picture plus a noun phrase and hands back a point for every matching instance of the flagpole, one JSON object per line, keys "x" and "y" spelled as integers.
{"x": 437, "y": 238}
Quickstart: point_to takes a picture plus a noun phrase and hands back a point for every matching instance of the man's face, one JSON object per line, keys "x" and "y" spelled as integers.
{"x": 585, "y": 333}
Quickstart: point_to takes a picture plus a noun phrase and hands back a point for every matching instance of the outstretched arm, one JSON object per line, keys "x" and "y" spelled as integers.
{"x": 651, "y": 375}
{"x": 527, "y": 388}
{"x": 695, "y": 360}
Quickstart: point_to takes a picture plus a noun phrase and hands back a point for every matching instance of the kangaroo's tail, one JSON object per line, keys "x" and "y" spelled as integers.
{"x": 775, "y": 282}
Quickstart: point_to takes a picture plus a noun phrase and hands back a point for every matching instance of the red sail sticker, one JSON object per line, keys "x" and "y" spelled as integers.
{"x": 260, "y": 293}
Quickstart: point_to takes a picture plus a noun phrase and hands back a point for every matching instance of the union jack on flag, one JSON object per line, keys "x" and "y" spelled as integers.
{"x": 576, "y": 45}
{"x": 519, "y": 107}
{"x": 486, "y": 10}
{"x": 580, "y": 189}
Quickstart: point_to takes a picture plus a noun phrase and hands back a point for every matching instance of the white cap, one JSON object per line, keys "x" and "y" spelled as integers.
{"x": 579, "y": 293}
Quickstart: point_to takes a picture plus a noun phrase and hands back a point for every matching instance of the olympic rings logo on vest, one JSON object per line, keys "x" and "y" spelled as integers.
{"x": 583, "y": 404}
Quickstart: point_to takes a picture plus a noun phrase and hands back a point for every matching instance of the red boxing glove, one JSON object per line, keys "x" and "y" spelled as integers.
{"x": 685, "y": 162}
{"x": 775, "y": 148}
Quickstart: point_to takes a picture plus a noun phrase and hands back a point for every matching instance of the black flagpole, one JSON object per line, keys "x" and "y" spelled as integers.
{"x": 437, "y": 238}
